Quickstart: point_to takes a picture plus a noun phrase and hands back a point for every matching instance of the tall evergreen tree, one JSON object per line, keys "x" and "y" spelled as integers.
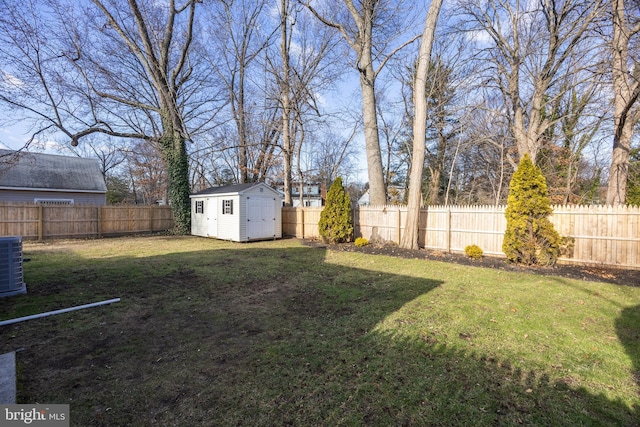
{"x": 336, "y": 223}
{"x": 530, "y": 237}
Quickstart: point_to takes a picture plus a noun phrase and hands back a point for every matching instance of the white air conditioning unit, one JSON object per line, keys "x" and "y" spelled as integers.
{"x": 11, "y": 278}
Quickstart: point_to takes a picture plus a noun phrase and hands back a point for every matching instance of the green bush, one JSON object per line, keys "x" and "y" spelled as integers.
{"x": 336, "y": 224}
{"x": 530, "y": 238}
{"x": 361, "y": 241}
{"x": 473, "y": 251}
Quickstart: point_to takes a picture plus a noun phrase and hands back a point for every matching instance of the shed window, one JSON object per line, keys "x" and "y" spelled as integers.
{"x": 227, "y": 207}
{"x": 199, "y": 206}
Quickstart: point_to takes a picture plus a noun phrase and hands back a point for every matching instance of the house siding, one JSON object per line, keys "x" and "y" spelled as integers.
{"x": 28, "y": 196}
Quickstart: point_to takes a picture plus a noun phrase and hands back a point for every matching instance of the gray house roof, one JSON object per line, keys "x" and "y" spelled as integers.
{"x": 231, "y": 189}
{"x": 36, "y": 171}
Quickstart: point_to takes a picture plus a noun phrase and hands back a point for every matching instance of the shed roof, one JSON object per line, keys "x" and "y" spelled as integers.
{"x": 37, "y": 171}
{"x": 232, "y": 189}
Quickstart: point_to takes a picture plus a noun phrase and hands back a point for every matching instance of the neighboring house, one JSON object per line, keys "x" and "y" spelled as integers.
{"x": 50, "y": 179}
{"x": 239, "y": 212}
{"x": 395, "y": 196}
{"x": 313, "y": 194}
{"x": 365, "y": 199}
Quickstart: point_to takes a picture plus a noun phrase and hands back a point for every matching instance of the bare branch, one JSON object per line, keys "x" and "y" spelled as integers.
{"x": 395, "y": 51}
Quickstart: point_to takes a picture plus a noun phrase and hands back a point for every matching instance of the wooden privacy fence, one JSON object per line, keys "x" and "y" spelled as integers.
{"x": 38, "y": 222}
{"x": 301, "y": 222}
{"x": 601, "y": 235}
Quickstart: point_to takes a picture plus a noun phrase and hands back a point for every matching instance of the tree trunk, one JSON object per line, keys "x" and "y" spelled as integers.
{"x": 238, "y": 106}
{"x": 625, "y": 89}
{"x": 287, "y": 143}
{"x": 177, "y": 164}
{"x": 619, "y": 170}
{"x": 434, "y": 185}
{"x": 377, "y": 192}
{"x": 438, "y": 163}
{"x": 410, "y": 237}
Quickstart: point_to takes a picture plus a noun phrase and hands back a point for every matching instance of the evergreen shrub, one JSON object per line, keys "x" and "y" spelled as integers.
{"x": 361, "y": 241}
{"x": 530, "y": 237}
{"x": 336, "y": 223}
{"x": 473, "y": 251}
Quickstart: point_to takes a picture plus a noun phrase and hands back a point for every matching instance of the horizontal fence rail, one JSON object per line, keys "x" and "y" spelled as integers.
{"x": 605, "y": 236}
{"x": 38, "y": 222}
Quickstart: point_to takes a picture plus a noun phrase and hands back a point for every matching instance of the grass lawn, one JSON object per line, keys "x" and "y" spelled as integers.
{"x": 277, "y": 333}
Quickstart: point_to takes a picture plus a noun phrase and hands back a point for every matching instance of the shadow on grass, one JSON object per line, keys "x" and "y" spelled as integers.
{"x": 263, "y": 336}
{"x": 628, "y": 330}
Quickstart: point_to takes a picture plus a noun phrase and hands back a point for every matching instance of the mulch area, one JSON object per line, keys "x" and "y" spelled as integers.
{"x": 590, "y": 273}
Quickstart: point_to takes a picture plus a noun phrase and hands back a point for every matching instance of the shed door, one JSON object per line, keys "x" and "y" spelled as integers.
{"x": 212, "y": 217}
{"x": 261, "y": 218}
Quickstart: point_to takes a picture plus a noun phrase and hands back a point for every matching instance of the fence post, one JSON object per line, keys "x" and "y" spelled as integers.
{"x": 353, "y": 219}
{"x": 448, "y": 229}
{"x": 399, "y": 225}
{"x": 99, "y": 226}
{"x": 40, "y": 223}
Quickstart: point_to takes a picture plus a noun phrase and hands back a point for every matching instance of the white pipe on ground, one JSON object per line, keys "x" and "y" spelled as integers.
{"x": 64, "y": 310}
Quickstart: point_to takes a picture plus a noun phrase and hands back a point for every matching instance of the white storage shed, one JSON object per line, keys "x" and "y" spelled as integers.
{"x": 240, "y": 213}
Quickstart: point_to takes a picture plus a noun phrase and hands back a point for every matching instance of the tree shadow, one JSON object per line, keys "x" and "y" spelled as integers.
{"x": 252, "y": 335}
{"x": 628, "y": 331}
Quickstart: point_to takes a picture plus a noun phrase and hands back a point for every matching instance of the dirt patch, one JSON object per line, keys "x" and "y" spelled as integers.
{"x": 589, "y": 273}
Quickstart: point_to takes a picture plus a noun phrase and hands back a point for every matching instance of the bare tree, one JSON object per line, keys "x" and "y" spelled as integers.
{"x": 211, "y": 163}
{"x": 395, "y": 143}
{"x": 369, "y": 27}
{"x": 483, "y": 170}
{"x": 528, "y": 46}
{"x": 561, "y": 157}
{"x": 626, "y": 91}
{"x": 240, "y": 34}
{"x": 443, "y": 84}
{"x": 157, "y": 40}
{"x": 146, "y": 173}
{"x": 333, "y": 156}
{"x": 108, "y": 152}
{"x": 410, "y": 237}
{"x": 127, "y": 69}
{"x": 303, "y": 71}
{"x": 295, "y": 78}
{"x": 34, "y": 72}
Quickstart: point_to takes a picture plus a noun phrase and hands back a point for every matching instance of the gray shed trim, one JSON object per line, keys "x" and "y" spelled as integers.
{"x": 233, "y": 189}
{"x": 46, "y": 172}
